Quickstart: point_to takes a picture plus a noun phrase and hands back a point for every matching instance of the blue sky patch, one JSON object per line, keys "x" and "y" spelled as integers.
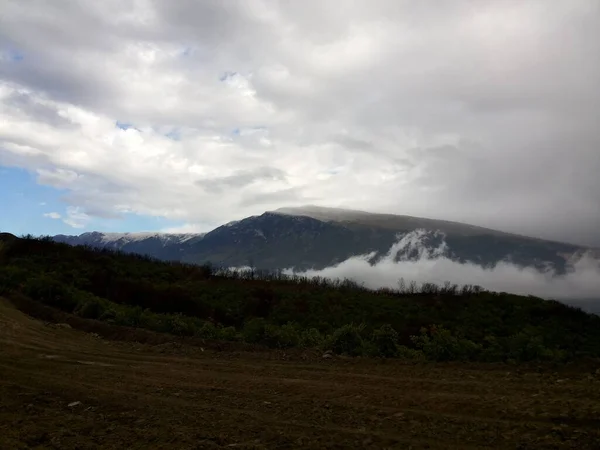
{"x": 15, "y": 55}
{"x": 227, "y": 75}
{"x": 31, "y": 208}
{"x": 124, "y": 125}
{"x": 174, "y": 134}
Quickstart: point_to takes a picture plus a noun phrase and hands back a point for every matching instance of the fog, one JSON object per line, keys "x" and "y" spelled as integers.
{"x": 582, "y": 280}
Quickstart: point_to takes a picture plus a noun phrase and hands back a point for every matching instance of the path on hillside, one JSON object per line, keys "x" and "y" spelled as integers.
{"x": 137, "y": 396}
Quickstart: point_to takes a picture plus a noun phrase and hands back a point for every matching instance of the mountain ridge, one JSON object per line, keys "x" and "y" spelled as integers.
{"x": 313, "y": 237}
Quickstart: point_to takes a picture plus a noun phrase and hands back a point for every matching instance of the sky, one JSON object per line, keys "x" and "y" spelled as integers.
{"x": 130, "y": 115}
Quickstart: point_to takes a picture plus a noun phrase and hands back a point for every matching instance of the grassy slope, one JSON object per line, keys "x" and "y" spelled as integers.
{"x": 161, "y": 395}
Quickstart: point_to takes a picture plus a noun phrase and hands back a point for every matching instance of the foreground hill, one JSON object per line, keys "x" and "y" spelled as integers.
{"x": 315, "y": 238}
{"x": 431, "y": 322}
{"x": 63, "y": 388}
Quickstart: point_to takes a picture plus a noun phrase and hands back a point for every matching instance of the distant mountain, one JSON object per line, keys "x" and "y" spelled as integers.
{"x": 163, "y": 246}
{"x": 315, "y": 237}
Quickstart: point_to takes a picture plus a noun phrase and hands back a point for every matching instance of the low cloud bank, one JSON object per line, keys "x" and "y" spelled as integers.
{"x": 582, "y": 280}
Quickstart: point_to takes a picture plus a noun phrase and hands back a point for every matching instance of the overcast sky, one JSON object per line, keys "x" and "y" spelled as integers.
{"x": 182, "y": 115}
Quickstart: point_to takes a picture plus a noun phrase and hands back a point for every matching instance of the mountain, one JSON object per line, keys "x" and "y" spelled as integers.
{"x": 314, "y": 238}
{"x": 163, "y": 246}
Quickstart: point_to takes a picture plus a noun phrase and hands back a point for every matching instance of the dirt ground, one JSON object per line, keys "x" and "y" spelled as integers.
{"x": 66, "y": 389}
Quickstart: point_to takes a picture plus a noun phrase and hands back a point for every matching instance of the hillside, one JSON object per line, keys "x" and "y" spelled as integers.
{"x": 64, "y": 388}
{"x": 316, "y": 238}
{"x": 428, "y": 321}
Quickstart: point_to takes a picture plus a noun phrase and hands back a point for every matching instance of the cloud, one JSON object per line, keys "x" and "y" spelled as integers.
{"x": 242, "y": 179}
{"x": 76, "y": 218}
{"x": 481, "y": 112}
{"x": 52, "y": 215}
{"x": 186, "y": 228}
{"x": 582, "y": 281}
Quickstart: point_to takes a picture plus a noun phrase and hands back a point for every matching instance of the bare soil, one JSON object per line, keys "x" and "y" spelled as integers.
{"x": 67, "y": 389}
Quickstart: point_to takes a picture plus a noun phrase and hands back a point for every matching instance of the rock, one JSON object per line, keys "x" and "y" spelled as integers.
{"x": 73, "y": 404}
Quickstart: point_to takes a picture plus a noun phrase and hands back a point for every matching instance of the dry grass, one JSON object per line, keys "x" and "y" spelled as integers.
{"x": 161, "y": 395}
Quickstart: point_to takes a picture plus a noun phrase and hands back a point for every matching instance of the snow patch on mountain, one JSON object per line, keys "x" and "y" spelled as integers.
{"x": 100, "y": 239}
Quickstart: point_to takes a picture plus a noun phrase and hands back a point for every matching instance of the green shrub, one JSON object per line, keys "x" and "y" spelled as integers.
{"x": 207, "y": 331}
{"x": 411, "y": 354}
{"x": 179, "y": 325}
{"x": 90, "y": 309}
{"x": 50, "y": 291}
{"x": 129, "y": 316}
{"x": 311, "y": 338}
{"x": 385, "y": 339}
{"x": 285, "y": 336}
{"x": 493, "y": 350}
{"x": 109, "y": 315}
{"x": 528, "y": 345}
{"x": 368, "y": 348}
{"x": 152, "y": 321}
{"x": 347, "y": 339}
{"x": 254, "y": 331}
{"x": 439, "y": 344}
{"x": 228, "y": 334}
{"x": 11, "y": 278}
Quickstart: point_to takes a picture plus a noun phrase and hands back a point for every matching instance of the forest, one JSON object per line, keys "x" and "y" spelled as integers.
{"x": 417, "y": 322}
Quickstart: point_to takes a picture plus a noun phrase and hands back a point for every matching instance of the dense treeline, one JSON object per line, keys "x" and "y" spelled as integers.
{"x": 414, "y": 321}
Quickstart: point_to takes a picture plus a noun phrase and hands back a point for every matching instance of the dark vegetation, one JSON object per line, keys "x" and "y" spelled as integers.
{"x": 426, "y": 321}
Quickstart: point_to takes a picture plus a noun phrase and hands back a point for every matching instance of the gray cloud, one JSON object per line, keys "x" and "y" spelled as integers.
{"x": 284, "y": 196}
{"x": 241, "y": 179}
{"x": 481, "y": 112}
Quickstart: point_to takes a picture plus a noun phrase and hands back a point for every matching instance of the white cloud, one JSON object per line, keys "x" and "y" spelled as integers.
{"x": 582, "y": 280}
{"x": 52, "y": 215}
{"x": 186, "y": 228}
{"x": 482, "y": 112}
{"x": 76, "y": 218}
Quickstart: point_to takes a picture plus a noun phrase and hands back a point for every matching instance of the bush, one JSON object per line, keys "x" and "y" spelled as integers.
{"x": 207, "y": 331}
{"x": 439, "y": 344}
{"x": 493, "y": 350}
{"x": 285, "y": 336}
{"x": 51, "y": 292}
{"x": 347, "y": 339}
{"x": 385, "y": 339}
{"x": 179, "y": 325}
{"x": 130, "y": 317}
{"x": 411, "y": 354}
{"x": 254, "y": 331}
{"x": 90, "y": 309}
{"x": 528, "y": 345}
{"x": 311, "y": 338}
{"x": 11, "y": 277}
{"x": 228, "y": 334}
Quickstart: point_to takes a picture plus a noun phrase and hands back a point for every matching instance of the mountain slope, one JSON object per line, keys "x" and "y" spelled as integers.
{"x": 315, "y": 238}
